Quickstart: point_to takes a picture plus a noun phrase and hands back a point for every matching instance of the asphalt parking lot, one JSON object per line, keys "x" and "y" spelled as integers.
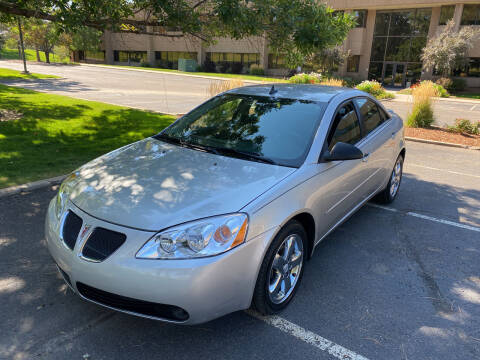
{"x": 396, "y": 282}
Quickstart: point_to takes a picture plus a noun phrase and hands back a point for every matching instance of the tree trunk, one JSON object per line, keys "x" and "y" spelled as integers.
{"x": 21, "y": 45}
{"x": 47, "y": 57}
{"x": 38, "y": 53}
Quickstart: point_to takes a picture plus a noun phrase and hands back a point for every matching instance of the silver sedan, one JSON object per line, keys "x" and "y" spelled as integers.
{"x": 220, "y": 211}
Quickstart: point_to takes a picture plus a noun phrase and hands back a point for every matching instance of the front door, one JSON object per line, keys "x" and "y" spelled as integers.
{"x": 394, "y": 74}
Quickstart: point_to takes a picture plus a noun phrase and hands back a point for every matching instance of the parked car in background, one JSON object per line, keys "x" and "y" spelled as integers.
{"x": 221, "y": 210}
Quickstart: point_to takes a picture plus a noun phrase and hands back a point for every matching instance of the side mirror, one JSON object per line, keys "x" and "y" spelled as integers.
{"x": 343, "y": 151}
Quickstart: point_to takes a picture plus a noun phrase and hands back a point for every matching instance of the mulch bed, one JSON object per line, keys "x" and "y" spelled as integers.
{"x": 8, "y": 115}
{"x": 443, "y": 135}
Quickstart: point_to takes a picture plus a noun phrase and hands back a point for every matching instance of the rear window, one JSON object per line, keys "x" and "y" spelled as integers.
{"x": 280, "y": 129}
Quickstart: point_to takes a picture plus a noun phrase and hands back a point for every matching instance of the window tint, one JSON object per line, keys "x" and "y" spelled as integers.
{"x": 277, "y": 128}
{"x": 346, "y": 127}
{"x": 370, "y": 114}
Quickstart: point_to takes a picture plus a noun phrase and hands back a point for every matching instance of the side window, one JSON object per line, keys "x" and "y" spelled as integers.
{"x": 345, "y": 127}
{"x": 371, "y": 116}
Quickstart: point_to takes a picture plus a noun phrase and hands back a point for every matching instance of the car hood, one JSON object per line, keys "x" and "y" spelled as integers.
{"x": 152, "y": 185}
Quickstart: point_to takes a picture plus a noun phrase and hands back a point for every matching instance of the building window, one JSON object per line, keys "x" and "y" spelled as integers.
{"x": 175, "y": 55}
{"x": 353, "y": 63}
{"x": 129, "y": 56}
{"x": 245, "y": 59}
{"x": 446, "y": 14}
{"x": 360, "y": 18}
{"x": 471, "y": 15}
{"x": 276, "y": 62}
{"x": 471, "y": 70}
{"x": 95, "y": 55}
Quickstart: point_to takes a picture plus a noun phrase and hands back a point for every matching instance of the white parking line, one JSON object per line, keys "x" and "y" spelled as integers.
{"x": 449, "y": 171}
{"x": 473, "y": 107}
{"x": 426, "y": 217}
{"x": 309, "y": 337}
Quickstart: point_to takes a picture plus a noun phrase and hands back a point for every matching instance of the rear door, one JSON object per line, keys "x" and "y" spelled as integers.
{"x": 377, "y": 143}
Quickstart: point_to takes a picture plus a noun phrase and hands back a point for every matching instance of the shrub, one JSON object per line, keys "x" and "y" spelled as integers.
{"x": 218, "y": 87}
{"x": 350, "y": 82}
{"x": 210, "y": 66}
{"x": 256, "y": 70}
{"x": 145, "y": 64}
{"x": 375, "y": 88}
{"x": 445, "y": 82}
{"x": 236, "y": 67}
{"x": 332, "y": 82}
{"x": 422, "y": 112}
{"x": 312, "y": 78}
{"x": 466, "y": 126}
{"x": 224, "y": 66}
{"x": 441, "y": 91}
{"x": 458, "y": 85}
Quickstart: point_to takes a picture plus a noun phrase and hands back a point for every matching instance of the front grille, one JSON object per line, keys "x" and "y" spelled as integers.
{"x": 71, "y": 228}
{"x": 102, "y": 243}
{"x": 141, "y": 307}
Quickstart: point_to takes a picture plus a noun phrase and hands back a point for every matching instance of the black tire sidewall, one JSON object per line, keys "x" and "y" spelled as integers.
{"x": 261, "y": 298}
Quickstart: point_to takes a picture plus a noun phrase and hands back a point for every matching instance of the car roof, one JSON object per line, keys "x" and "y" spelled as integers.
{"x": 320, "y": 93}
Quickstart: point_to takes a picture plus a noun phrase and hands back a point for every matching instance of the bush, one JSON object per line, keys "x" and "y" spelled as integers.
{"x": 466, "y": 127}
{"x": 445, "y": 82}
{"x": 458, "y": 85}
{"x": 375, "y": 88}
{"x": 210, "y": 66}
{"x": 422, "y": 112}
{"x": 236, "y": 68}
{"x": 312, "y": 78}
{"x": 256, "y": 70}
{"x": 332, "y": 82}
{"x": 441, "y": 91}
{"x": 217, "y": 87}
{"x": 224, "y": 67}
{"x": 350, "y": 82}
{"x": 145, "y": 64}
{"x": 452, "y": 85}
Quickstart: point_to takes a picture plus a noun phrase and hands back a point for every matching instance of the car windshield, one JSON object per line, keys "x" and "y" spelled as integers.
{"x": 258, "y": 128}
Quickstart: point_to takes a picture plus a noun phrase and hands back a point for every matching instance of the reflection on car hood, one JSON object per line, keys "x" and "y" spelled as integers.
{"x": 152, "y": 185}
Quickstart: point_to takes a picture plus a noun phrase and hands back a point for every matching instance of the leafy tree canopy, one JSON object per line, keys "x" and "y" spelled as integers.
{"x": 449, "y": 49}
{"x": 296, "y": 28}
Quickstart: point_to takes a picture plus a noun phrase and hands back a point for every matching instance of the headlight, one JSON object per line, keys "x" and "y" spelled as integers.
{"x": 63, "y": 194}
{"x": 196, "y": 239}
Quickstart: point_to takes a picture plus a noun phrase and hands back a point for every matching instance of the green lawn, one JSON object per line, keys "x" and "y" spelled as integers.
{"x": 7, "y": 74}
{"x": 469, "y": 96}
{"x": 30, "y": 55}
{"x": 57, "y": 133}
{"x": 222, "y": 75}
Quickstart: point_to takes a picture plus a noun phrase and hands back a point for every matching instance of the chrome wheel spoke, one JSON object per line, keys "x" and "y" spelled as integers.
{"x": 296, "y": 260}
{"x": 289, "y": 247}
{"x": 278, "y": 263}
{"x": 287, "y": 283}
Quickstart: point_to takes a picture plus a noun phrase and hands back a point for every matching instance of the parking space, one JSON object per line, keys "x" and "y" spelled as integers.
{"x": 396, "y": 282}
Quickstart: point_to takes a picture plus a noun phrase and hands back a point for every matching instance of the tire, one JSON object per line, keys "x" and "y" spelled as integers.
{"x": 388, "y": 195}
{"x": 266, "y": 301}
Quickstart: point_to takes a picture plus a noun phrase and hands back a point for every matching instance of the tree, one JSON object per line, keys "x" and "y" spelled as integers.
{"x": 42, "y": 36}
{"x": 449, "y": 49}
{"x": 298, "y": 27}
{"x": 327, "y": 60}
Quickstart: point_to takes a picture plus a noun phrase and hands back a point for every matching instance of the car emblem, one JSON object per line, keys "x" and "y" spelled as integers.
{"x": 84, "y": 231}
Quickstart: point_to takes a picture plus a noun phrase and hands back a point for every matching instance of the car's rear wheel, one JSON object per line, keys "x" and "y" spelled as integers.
{"x": 281, "y": 270}
{"x": 390, "y": 192}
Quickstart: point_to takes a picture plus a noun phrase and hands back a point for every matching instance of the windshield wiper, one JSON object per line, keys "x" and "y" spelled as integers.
{"x": 183, "y": 143}
{"x": 246, "y": 155}
{"x": 216, "y": 150}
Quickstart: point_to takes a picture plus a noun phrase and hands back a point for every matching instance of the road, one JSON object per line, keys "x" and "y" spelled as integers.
{"x": 397, "y": 282}
{"x": 173, "y": 93}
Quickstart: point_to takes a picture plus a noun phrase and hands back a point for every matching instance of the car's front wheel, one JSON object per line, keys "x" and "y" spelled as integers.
{"x": 281, "y": 270}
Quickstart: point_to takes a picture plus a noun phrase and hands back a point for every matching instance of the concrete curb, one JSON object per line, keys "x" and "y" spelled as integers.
{"x": 171, "y": 73}
{"x": 31, "y": 186}
{"x": 434, "y": 142}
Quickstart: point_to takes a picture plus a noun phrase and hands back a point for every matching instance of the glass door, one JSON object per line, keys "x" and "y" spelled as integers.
{"x": 394, "y": 74}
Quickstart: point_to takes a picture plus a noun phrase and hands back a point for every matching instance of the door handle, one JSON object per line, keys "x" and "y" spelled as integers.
{"x": 365, "y": 157}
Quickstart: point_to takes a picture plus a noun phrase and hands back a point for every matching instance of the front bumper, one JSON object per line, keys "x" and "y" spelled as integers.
{"x": 205, "y": 288}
